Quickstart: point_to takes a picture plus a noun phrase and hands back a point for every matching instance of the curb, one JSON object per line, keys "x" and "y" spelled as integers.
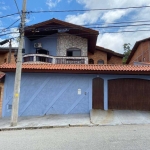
{"x": 45, "y": 127}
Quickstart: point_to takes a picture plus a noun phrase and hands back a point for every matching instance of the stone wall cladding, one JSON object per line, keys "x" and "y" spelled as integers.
{"x": 142, "y": 54}
{"x": 66, "y": 41}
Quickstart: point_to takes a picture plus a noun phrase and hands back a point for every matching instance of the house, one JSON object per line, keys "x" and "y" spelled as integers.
{"x": 104, "y": 56}
{"x": 4, "y": 55}
{"x": 57, "y": 79}
{"x": 140, "y": 53}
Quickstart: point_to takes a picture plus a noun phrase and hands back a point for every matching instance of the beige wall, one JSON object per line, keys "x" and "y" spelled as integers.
{"x": 4, "y": 58}
{"x": 115, "y": 60}
{"x": 142, "y": 54}
{"x": 97, "y": 56}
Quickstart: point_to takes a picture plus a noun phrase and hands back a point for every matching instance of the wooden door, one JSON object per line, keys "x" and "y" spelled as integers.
{"x": 98, "y": 93}
{"x": 129, "y": 94}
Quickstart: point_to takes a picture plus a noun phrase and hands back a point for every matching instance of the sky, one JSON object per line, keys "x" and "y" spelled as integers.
{"x": 100, "y": 20}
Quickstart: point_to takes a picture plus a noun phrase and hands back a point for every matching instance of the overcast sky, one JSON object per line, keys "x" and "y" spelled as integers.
{"x": 113, "y": 41}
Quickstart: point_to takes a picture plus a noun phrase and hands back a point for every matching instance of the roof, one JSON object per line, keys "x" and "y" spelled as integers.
{"x": 78, "y": 68}
{"x": 6, "y": 49}
{"x": 60, "y": 22}
{"x": 135, "y": 48}
{"x": 108, "y": 51}
{"x": 53, "y": 26}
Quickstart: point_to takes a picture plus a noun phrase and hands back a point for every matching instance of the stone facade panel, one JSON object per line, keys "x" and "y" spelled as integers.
{"x": 67, "y": 41}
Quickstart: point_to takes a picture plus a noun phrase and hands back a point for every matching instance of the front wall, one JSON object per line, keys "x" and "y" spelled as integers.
{"x": 98, "y": 55}
{"x": 66, "y": 41}
{"x": 1, "y": 96}
{"x": 4, "y": 57}
{"x": 143, "y": 51}
{"x": 115, "y": 60}
{"x": 45, "y": 93}
{"x": 48, "y": 43}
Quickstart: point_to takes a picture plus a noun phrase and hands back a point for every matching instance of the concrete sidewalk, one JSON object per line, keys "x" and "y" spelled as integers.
{"x": 48, "y": 121}
{"x": 95, "y": 118}
{"x": 119, "y": 117}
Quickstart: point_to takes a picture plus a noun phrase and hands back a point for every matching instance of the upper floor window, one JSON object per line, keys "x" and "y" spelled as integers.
{"x": 91, "y": 61}
{"x": 100, "y": 61}
{"x": 42, "y": 51}
{"x": 73, "y": 52}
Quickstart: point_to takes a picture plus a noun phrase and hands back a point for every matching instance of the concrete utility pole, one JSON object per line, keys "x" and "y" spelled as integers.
{"x": 14, "y": 115}
{"x": 9, "y": 56}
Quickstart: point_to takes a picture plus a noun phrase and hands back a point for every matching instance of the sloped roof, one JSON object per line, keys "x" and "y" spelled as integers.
{"x": 108, "y": 51}
{"x": 135, "y": 48}
{"x": 78, "y": 68}
{"x": 60, "y": 22}
{"x": 53, "y": 26}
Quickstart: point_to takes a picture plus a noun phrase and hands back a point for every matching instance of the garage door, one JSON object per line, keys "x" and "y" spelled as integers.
{"x": 98, "y": 93}
{"x": 129, "y": 94}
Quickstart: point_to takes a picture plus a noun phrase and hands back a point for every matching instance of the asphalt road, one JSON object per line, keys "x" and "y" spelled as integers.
{"x": 129, "y": 137}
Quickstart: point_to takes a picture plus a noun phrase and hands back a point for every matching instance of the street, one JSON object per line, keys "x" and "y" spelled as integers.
{"x": 123, "y": 137}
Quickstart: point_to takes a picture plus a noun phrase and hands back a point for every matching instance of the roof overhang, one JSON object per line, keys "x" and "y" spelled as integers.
{"x": 79, "y": 68}
{"x": 55, "y": 26}
{"x": 109, "y": 52}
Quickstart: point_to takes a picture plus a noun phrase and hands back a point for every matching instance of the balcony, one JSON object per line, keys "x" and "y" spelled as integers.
{"x": 40, "y": 58}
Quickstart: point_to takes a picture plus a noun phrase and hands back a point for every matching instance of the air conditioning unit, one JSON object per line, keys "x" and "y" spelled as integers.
{"x": 37, "y": 45}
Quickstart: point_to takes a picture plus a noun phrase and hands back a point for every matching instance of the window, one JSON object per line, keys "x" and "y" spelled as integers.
{"x": 74, "y": 52}
{"x": 100, "y": 61}
{"x": 91, "y": 61}
{"x": 42, "y": 51}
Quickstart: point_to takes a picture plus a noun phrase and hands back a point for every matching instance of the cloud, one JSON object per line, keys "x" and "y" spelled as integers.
{"x": 9, "y": 36}
{"x": 52, "y": 3}
{"x": 111, "y": 16}
{"x": 84, "y": 18}
{"x": 69, "y": 1}
{"x": 113, "y": 41}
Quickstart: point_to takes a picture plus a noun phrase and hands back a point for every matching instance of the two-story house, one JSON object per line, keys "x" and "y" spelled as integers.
{"x": 140, "y": 53}
{"x": 57, "y": 79}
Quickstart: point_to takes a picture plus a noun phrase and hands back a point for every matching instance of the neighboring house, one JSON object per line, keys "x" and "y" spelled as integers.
{"x": 140, "y": 52}
{"x": 4, "y": 55}
{"x": 104, "y": 56}
{"x": 57, "y": 79}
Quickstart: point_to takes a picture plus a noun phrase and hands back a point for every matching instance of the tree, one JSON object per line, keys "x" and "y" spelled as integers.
{"x": 127, "y": 51}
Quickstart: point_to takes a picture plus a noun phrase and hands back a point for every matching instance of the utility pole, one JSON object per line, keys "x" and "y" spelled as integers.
{"x": 15, "y": 105}
{"x": 9, "y": 56}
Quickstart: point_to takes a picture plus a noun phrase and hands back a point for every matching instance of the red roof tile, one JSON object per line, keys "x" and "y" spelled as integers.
{"x": 77, "y": 67}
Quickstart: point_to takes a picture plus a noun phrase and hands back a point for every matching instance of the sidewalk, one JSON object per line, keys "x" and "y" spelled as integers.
{"x": 48, "y": 121}
{"x": 119, "y": 117}
{"x": 95, "y": 118}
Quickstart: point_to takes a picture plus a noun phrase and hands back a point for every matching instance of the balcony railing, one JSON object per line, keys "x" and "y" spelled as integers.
{"x": 54, "y": 60}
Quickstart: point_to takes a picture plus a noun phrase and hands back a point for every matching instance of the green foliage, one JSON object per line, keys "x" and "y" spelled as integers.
{"x": 127, "y": 52}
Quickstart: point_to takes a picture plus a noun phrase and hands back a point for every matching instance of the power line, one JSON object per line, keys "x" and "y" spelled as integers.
{"x": 17, "y": 8}
{"x": 46, "y": 11}
{"x": 8, "y": 33}
{"x": 8, "y": 15}
{"x": 103, "y": 9}
{"x": 47, "y": 28}
{"x": 4, "y": 30}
